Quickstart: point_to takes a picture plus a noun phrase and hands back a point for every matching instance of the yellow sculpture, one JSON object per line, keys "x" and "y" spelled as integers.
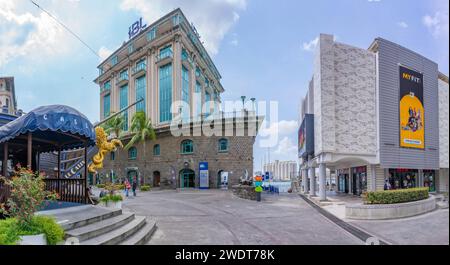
{"x": 104, "y": 147}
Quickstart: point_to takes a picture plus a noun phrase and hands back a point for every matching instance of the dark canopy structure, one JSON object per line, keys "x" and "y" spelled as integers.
{"x": 47, "y": 129}
{"x": 53, "y": 128}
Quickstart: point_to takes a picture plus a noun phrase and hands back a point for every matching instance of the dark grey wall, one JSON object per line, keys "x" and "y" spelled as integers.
{"x": 391, "y": 154}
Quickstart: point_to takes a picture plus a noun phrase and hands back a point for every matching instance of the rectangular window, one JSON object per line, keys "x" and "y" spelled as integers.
{"x": 106, "y": 86}
{"x": 165, "y": 93}
{"x": 114, "y": 60}
{"x": 130, "y": 48}
{"x": 100, "y": 71}
{"x": 198, "y": 99}
{"x": 124, "y": 104}
{"x": 141, "y": 65}
{"x": 151, "y": 35}
{"x": 176, "y": 20}
{"x": 184, "y": 55}
{"x": 165, "y": 52}
{"x": 123, "y": 75}
{"x": 106, "y": 106}
{"x": 198, "y": 72}
{"x": 141, "y": 84}
{"x": 185, "y": 92}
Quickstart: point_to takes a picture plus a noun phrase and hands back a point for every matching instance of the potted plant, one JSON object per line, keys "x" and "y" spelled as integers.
{"x": 112, "y": 201}
{"x": 28, "y": 195}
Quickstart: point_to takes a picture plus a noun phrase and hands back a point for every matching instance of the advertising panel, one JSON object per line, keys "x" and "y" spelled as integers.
{"x": 306, "y": 136}
{"x": 204, "y": 175}
{"x": 412, "y": 120}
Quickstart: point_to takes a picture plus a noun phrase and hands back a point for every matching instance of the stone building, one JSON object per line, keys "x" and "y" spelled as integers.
{"x": 167, "y": 71}
{"x": 8, "y": 102}
{"x": 376, "y": 117}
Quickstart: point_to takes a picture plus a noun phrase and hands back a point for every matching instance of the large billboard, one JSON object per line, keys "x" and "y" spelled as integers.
{"x": 412, "y": 120}
{"x": 306, "y": 137}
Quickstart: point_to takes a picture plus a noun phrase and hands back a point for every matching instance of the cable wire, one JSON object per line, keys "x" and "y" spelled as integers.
{"x": 65, "y": 27}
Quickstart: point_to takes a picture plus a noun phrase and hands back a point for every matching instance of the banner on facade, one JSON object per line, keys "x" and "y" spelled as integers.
{"x": 204, "y": 175}
{"x": 412, "y": 120}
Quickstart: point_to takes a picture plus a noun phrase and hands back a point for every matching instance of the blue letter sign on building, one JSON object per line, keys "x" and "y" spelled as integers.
{"x": 204, "y": 175}
{"x": 136, "y": 28}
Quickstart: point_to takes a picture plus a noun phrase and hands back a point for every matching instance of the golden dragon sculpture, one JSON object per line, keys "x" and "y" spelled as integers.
{"x": 104, "y": 147}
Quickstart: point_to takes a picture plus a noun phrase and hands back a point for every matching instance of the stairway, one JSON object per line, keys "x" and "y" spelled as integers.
{"x": 93, "y": 225}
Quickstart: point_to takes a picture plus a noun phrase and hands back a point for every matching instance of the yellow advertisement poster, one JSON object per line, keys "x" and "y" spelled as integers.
{"x": 412, "y": 120}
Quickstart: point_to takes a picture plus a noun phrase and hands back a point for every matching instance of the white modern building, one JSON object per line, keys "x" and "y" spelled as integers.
{"x": 378, "y": 118}
{"x": 282, "y": 170}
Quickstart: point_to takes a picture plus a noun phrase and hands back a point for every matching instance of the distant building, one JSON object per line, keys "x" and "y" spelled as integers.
{"x": 8, "y": 103}
{"x": 282, "y": 170}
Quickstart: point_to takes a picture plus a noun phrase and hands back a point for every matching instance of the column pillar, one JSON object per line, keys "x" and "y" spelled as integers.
{"x": 322, "y": 182}
{"x": 29, "y": 150}
{"x": 305, "y": 180}
{"x": 312, "y": 181}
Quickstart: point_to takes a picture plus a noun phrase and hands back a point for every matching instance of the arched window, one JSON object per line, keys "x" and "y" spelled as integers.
{"x": 187, "y": 147}
{"x": 132, "y": 153}
{"x": 223, "y": 145}
{"x": 157, "y": 150}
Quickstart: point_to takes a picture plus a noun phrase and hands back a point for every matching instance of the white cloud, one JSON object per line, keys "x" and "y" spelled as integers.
{"x": 281, "y": 128}
{"x": 213, "y": 20}
{"x": 373, "y": 1}
{"x": 311, "y": 46}
{"x": 402, "y": 24}
{"x": 234, "y": 41}
{"x": 104, "y": 53}
{"x": 27, "y": 35}
{"x": 286, "y": 147}
{"x": 437, "y": 24}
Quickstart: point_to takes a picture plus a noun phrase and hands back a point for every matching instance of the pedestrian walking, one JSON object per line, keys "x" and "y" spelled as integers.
{"x": 127, "y": 187}
{"x": 134, "y": 187}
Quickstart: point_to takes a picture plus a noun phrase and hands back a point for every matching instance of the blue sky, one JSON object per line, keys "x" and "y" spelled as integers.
{"x": 263, "y": 48}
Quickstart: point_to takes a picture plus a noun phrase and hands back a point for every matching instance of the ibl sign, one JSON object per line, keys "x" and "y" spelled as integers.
{"x": 136, "y": 28}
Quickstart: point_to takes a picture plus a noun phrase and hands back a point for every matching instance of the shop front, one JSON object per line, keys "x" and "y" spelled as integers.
{"x": 359, "y": 180}
{"x": 402, "y": 179}
{"x": 429, "y": 179}
{"x": 343, "y": 180}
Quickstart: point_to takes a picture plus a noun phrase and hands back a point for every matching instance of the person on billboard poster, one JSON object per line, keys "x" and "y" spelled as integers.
{"x": 412, "y": 131}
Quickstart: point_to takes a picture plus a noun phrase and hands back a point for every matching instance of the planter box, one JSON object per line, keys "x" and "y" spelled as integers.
{"x": 389, "y": 211}
{"x": 37, "y": 240}
{"x": 112, "y": 205}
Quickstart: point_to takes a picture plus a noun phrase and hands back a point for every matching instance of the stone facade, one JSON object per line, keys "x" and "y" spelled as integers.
{"x": 443, "y": 124}
{"x": 237, "y": 161}
{"x": 344, "y": 99}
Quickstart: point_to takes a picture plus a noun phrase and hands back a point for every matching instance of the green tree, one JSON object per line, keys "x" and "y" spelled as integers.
{"x": 142, "y": 129}
{"x": 114, "y": 125}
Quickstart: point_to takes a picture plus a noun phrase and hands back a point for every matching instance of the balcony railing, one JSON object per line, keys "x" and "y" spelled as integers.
{"x": 122, "y": 77}
{"x": 139, "y": 67}
{"x": 164, "y": 55}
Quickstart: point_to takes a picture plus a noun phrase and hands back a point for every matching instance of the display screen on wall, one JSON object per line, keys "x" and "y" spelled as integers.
{"x": 306, "y": 136}
{"x": 412, "y": 120}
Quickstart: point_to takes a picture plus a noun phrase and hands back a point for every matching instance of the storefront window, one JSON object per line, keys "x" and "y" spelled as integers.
{"x": 402, "y": 178}
{"x": 359, "y": 180}
{"x": 429, "y": 177}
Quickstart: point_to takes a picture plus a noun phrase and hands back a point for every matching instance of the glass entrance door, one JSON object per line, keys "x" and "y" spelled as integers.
{"x": 187, "y": 178}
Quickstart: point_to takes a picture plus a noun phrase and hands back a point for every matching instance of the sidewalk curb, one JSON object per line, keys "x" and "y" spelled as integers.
{"x": 352, "y": 229}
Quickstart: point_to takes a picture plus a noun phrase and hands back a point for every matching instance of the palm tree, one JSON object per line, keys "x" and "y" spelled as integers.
{"x": 142, "y": 129}
{"x": 115, "y": 125}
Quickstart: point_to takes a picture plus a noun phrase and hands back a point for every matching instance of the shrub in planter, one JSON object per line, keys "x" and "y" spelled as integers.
{"x": 100, "y": 186}
{"x": 11, "y": 232}
{"x": 145, "y": 188}
{"x": 120, "y": 187}
{"x": 396, "y": 196}
{"x": 112, "y": 200}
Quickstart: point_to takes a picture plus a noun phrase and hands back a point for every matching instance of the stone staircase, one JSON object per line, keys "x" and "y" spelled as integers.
{"x": 92, "y": 225}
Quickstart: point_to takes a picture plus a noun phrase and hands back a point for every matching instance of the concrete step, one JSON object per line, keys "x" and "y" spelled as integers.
{"x": 118, "y": 235}
{"x": 442, "y": 205}
{"x": 75, "y": 217}
{"x": 143, "y": 235}
{"x": 99, "y": 228}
